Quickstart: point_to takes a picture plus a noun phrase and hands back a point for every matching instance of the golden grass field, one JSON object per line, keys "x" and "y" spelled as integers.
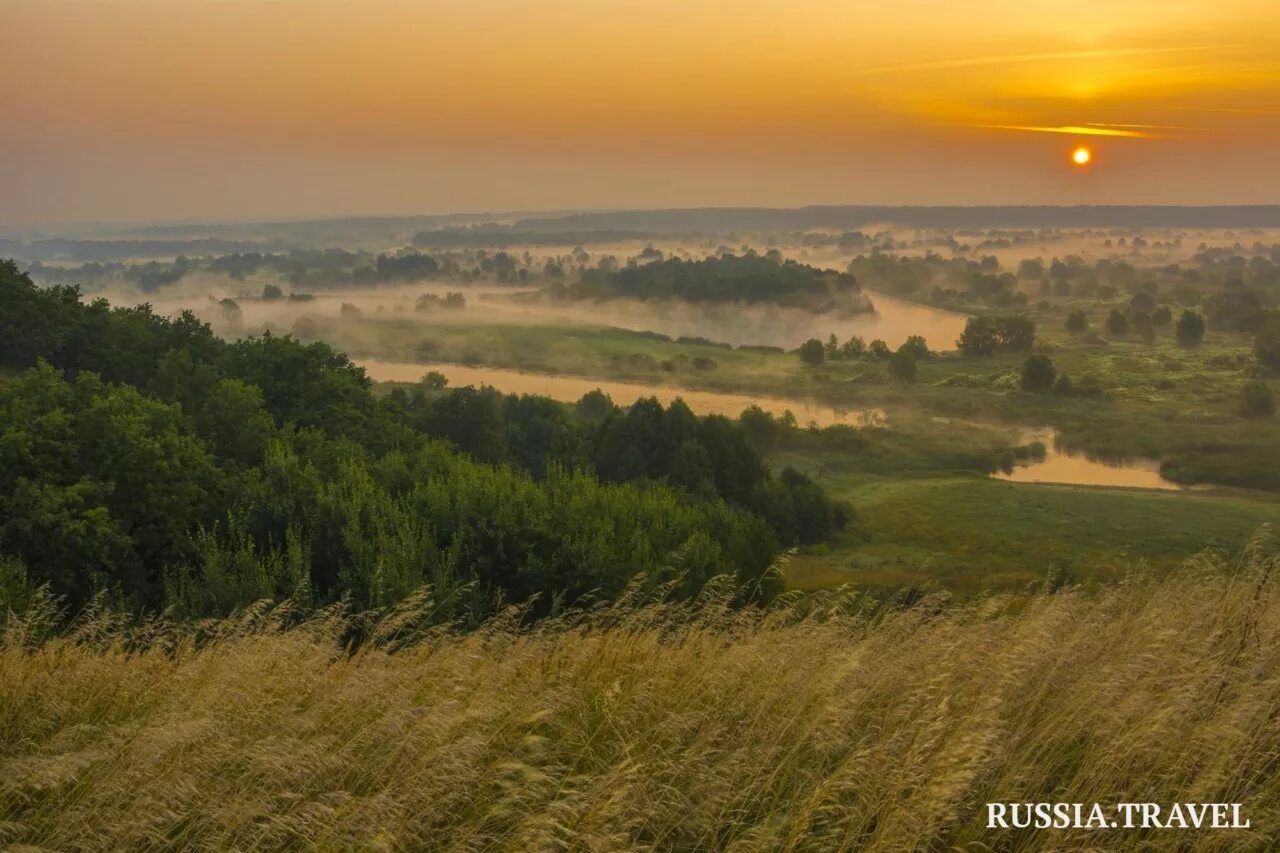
{"x": 817, "y": 725}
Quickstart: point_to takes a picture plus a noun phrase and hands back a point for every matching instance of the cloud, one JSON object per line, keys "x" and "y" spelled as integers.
{"x": 1009, "y": 59}
{"x": 1126, "y": 131}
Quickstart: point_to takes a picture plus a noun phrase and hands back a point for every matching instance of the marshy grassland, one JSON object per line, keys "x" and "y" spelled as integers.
{"x": 823, "y": 722}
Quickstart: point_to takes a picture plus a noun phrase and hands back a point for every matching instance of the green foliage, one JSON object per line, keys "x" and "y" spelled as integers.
{"x": 916, "y": 345}
{"x": 984, "y": 336}
{"x": 15, "y": 587}
{"x": 104, "y": 484}
{"x": 203, "y": 475}
{"x": 728, "y": 278}
{"x": 1143, "y": 327}
{"x": 1257, "y": 400}
{"x": 1077, "y": 323}
{"x": 1190, "y": 329}
{"x": 1266, "y": 344}
{"x": 1117, "y": 323}
{"x": 902, "y": 366}
{"x": 812, "y": 352}
{"x": 1038, "y": 374}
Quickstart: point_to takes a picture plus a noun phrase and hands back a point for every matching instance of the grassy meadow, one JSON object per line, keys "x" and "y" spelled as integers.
{"x": 818, "y": 724}
{"x": 969, "y": 534}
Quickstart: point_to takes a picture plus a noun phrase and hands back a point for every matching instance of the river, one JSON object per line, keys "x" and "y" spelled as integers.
{"x": 572, "y": 388}
{"x": 1066, "y": 468}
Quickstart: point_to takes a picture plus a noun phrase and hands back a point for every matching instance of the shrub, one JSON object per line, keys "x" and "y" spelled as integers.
{"x": 902, "y": 366}
{"x": 1117, "y": 323}
{"x": 1038, "y": 374}
{"x": 1190, "y": 329}
{"x": 1143, "y": 327}
{"x": 812, "y": 352}
{"x": 1257, "y": 400}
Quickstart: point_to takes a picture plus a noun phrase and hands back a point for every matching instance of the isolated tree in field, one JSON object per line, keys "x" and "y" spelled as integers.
{"x": 990, "y": 335}
{"x": 1143, "y": 327}
{"x": 1266, "y": 344}
{"x": 1077, "y": 323}
{"x": 1190, "y": 330}
{"x": 812, "y": 352}
{"x": 1162, "y": 316}
{"x": 978, "y": 337}
{"x": 1257, "y": 400}
{"x": 832, "y": 347}
{"x": 434, "y": 380}
{"x": 271, "y": 293}
{"x": 1038, "y": 374}
{"x": 230, "y": 311}
{"x": 855, "y": 347}
{"x": 1117, "y": 323}
{"x": 917, "y": 346}
{"x": 1142, "y": 301}
{"x": 1015, "y": 333}
{"x": 902, "y": 366}
{"x": 879, "y": 350}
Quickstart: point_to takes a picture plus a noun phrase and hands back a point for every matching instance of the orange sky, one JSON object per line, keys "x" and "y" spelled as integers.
{"x": 171, "y": 109}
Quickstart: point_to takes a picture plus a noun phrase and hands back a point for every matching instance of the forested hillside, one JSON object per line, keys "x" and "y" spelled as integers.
{"x": 149, "y": 461}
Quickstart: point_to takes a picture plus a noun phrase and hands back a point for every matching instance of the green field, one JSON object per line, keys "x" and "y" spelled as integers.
{"x": 1159, "y": 401}
{"x": 968, "y": 534}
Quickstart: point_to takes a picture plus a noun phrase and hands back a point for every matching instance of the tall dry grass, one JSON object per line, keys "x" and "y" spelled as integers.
{"x": 813, "y": 726}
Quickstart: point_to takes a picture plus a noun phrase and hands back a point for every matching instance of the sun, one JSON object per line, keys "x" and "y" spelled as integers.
{"x": 1081, "y": 156}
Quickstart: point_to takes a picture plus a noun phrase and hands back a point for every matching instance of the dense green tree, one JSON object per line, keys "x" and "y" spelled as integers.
{"x": 812, "y": 352}
{"x": 1190, "y": 329}
{"x": 1117, "y": 323}
{"x": 1266, "y": 343}
{"x": 1143, "y": 327}
{"x": 1257, "y": 400}
{"x": 979, "y": 337}
{"x": 916, "y": 345}
{"x": 855, "y": 347}
{"x": 990, "y": 335}
{"x": 1142, "y": 301}
{"x": 1038, "y": 374}
{"x": 902, "y": 366}
{"x": 1077, "y": 323}
{"x": 727, "y": 278}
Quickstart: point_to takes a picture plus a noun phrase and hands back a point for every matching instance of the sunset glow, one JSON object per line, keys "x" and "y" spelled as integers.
{"x": 303, "y": 107}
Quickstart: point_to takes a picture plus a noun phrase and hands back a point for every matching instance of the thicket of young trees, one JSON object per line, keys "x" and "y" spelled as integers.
{"x": 148, "y": 460}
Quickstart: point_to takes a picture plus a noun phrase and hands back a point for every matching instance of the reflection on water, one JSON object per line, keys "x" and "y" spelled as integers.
{"x": 571, "y": 389}
{"x": 1059, "y": 466}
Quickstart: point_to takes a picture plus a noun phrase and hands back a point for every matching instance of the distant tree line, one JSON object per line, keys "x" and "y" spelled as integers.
{"x": 749, "y": 278}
